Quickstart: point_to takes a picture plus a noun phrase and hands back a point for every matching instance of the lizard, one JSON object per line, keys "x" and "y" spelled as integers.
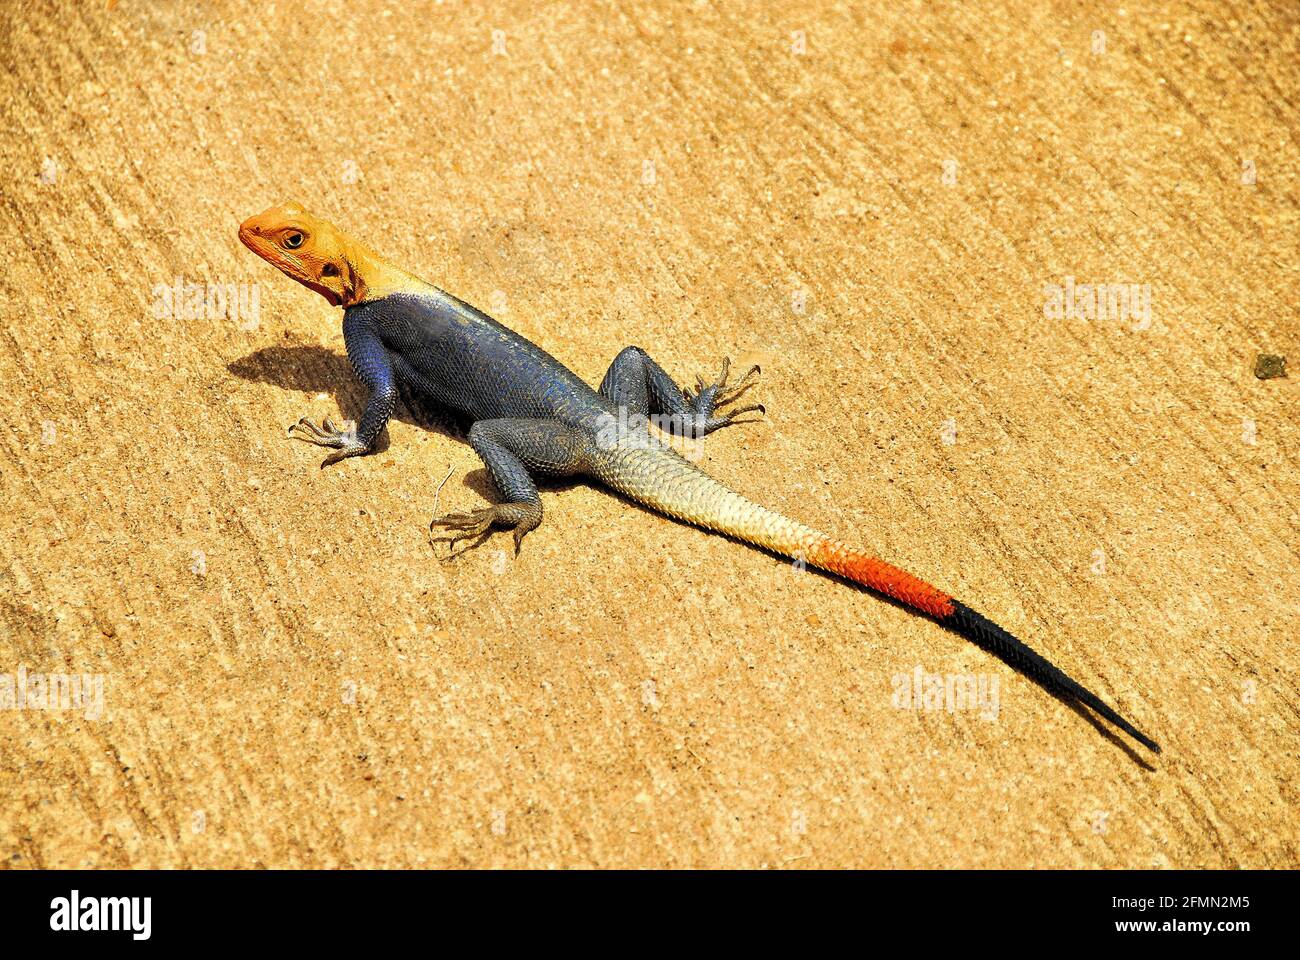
{"x": 530, "y": 417}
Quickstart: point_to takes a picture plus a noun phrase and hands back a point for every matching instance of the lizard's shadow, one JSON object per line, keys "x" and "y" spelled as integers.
{"x": 314, "y": 369}
{"x": 310, "y": 369}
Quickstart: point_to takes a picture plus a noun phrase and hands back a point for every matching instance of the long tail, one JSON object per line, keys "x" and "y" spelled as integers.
{"x": 662, "y": 479}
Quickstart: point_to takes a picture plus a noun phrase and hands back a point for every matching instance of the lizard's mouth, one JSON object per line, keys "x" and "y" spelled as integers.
{"x": 330, "y": 295}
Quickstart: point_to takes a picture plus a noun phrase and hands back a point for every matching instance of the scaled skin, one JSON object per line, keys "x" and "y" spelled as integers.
{"x": 532, "y": 416}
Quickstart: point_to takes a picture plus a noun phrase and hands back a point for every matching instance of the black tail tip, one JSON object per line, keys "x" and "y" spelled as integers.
{"x": 989, "y": 636}
{"x": 1143, "y": 739}
{"x": 1131, "y": 730}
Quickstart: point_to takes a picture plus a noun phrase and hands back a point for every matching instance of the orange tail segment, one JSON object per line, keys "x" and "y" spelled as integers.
{"x": 880, "y": 576}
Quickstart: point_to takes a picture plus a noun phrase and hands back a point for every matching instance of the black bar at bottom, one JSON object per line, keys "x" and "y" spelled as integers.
{"x": 365, "y": 909}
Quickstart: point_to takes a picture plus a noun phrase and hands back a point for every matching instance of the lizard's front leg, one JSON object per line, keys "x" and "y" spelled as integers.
{"x": 374, "y": 367}
{"x": 513, "y": 450}
{"x": 636, "y": 383}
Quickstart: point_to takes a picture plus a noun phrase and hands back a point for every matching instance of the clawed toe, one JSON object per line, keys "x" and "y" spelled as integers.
{"x": 708, "y": 398}
{"x": 311, "y": 431}
{"x": 731, "y": 394}
{"x": 325, "y": 435}
{"x": 342, "y": 440}
{"x": 462, "y": 526}
{"x": 751, "y": 408}
{"x": 729, "y": 419}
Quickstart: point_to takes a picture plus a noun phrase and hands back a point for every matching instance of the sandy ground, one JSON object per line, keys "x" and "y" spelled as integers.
{"x": 874, "y": 201}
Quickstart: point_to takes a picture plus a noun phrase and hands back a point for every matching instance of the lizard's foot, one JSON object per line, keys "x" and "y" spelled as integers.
{"x": 707, "y": 399}
{"x": 343, "y": 440}
{"x": 476, "y": 524}
{"x": 462, "y": 526}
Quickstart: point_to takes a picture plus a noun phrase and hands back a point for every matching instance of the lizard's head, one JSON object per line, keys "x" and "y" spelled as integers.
{"x": 310, "y": 250}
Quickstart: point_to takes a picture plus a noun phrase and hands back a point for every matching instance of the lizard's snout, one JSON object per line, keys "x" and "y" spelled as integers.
{"x": 247, "y": 231}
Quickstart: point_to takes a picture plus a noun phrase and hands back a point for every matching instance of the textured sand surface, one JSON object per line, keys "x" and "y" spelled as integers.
{"x": 870, "y": 199}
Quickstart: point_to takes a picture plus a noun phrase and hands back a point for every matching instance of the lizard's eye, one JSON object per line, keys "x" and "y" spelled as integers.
{"x": 293, "y": 241}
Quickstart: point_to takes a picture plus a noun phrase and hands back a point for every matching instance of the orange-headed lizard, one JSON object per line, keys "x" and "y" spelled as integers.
{"x": 530, "y": 416}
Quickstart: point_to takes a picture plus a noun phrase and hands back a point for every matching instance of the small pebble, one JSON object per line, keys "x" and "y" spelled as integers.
{"x": 1270, "y": 365}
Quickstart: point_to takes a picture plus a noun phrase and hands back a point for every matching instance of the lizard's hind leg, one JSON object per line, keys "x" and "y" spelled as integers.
{"x": 636, "y": 383}
{"x": 513, "y": 450}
